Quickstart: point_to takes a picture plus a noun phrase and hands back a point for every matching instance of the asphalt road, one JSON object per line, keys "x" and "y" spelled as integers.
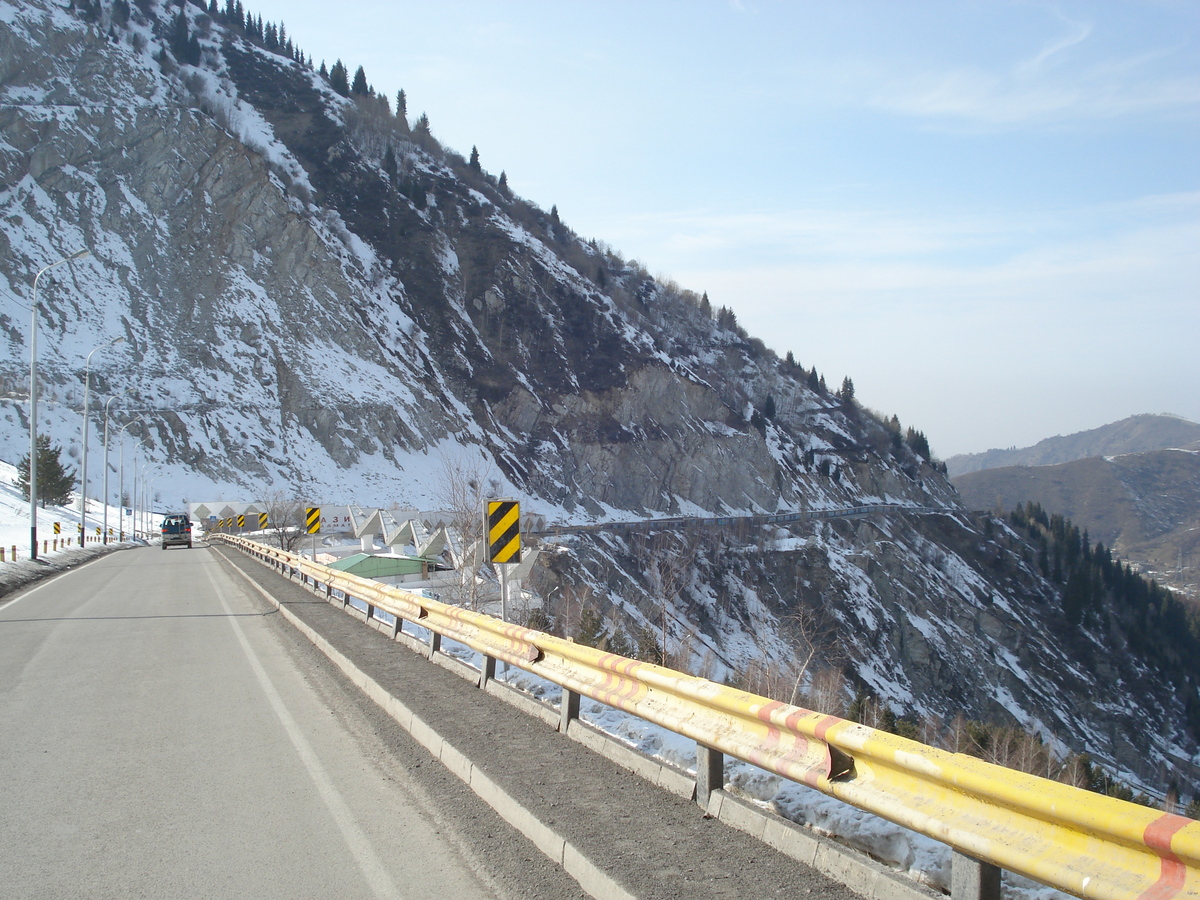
{"x": 164, "y": 734}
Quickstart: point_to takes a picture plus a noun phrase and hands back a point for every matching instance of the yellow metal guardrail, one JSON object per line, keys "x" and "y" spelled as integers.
{"x": 1071, "y": 839}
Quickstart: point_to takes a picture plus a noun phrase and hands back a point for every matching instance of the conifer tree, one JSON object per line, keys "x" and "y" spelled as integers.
{"x": 338, "y": 80}
{"x": 503, "y": 184}
{"x": 360, "y": 88}
{"x": 179, "y": 35}
{"x": 422, "y": 128}
{"x": 402, "y": 110}
{"x": 648, "y": 648}
{"x": 55, "y": 481}
{"x": 474, "y": 163}
{"x": 847, "y": 392}
{"x": 591, "y": 631}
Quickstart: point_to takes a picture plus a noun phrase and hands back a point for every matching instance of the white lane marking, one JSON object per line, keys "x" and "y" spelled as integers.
{"x": 44, "y": 583}
{"x": 368, "y": 862}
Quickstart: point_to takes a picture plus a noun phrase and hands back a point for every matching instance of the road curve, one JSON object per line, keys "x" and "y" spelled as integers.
{"x": 163, "y": 734}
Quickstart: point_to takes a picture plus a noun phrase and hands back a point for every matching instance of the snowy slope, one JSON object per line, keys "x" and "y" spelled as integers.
{"x": 318, "y": 303}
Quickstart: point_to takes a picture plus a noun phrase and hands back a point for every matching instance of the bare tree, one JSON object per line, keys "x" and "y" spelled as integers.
{"x": 669, "y": 562}
{"x": 285, "y": 519}
{"x": 466, "y": 484}
{"x": 827, "y": 692}
{"x": 810, "y": 634}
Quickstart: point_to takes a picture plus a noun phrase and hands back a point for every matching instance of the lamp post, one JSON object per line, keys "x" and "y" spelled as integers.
{"x": 148, "y": 503}
{"x": 121, "y": 477}
{"x": 83, "y": 483}
{"x": 106, "y": 494}
{"x": 33, "y": 539}
{"x": 139, "y": 498}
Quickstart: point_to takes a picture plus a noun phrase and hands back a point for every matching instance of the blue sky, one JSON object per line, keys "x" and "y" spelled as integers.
{"x": 987, "y": 214}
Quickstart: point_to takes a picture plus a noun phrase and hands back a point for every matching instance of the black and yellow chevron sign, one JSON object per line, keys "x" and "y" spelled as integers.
{"x": 312, "y": 519}
{"x": 241, "y": 522}
{"x": 504, "y": 531}
{"x": 58, "y": 527}
{"x": 262, "y": 520}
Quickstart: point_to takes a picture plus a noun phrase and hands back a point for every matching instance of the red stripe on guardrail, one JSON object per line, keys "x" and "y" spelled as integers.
{"x": 620, "y": 684}
{"x": 1173, "y": 873}
{"x": 758, "y": 756}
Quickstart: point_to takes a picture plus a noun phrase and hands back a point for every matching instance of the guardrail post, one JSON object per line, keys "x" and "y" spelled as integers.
{"x": 397, "y": 626}
{"x": 569, "y": 710}
{"x": 973, "y": 880}
{"x": 710, "y": 775}
{"x": 487, "y": 671}
{"x": 435, "y": 643}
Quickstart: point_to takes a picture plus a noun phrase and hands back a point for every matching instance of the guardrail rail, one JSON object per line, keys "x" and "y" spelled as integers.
{"x": 1071, "y": 839}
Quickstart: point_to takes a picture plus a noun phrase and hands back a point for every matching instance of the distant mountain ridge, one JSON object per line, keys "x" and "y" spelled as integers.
{"x": 1137, "y": 434}
{"x": 1143, "y": 506}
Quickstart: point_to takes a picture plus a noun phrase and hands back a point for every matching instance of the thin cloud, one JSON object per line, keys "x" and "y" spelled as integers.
{"x": 985, "y": 99}
{"x": 1079, "y": 33}
{"x": 1110, "y": 251}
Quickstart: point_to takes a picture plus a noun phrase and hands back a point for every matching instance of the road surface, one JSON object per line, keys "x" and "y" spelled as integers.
{"x": 164, "y": 734}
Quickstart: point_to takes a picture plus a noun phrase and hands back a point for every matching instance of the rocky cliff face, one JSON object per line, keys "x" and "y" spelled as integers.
{"x": 316, "y": 300}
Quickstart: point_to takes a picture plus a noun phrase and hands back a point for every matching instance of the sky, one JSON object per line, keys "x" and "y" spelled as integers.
{"x": 986, "y": 214}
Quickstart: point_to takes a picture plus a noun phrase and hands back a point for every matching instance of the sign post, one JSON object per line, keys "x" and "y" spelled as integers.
{"x": 504, "y": 542}
{"x": 312, "y": 525}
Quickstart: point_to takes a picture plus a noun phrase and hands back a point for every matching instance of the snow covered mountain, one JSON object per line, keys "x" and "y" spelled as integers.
{"x": 318, "y": 300}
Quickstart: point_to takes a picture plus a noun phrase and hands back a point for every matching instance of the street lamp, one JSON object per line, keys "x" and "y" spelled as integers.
{"x": 33, "y": 449}
{"x": 148, "y": 502}
{"x": 121, "y": 477}
{"x": 139, "y": 498}
{"x": 83, "y": 484}
{"x": 106, "y": 495}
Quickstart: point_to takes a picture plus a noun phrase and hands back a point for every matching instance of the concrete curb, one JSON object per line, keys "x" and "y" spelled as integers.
{"x": 558, "y": 849}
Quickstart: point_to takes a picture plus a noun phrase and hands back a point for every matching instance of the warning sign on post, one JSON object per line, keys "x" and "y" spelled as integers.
{"x": 504, "y": 531}
{"x": 312, "y": 519}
